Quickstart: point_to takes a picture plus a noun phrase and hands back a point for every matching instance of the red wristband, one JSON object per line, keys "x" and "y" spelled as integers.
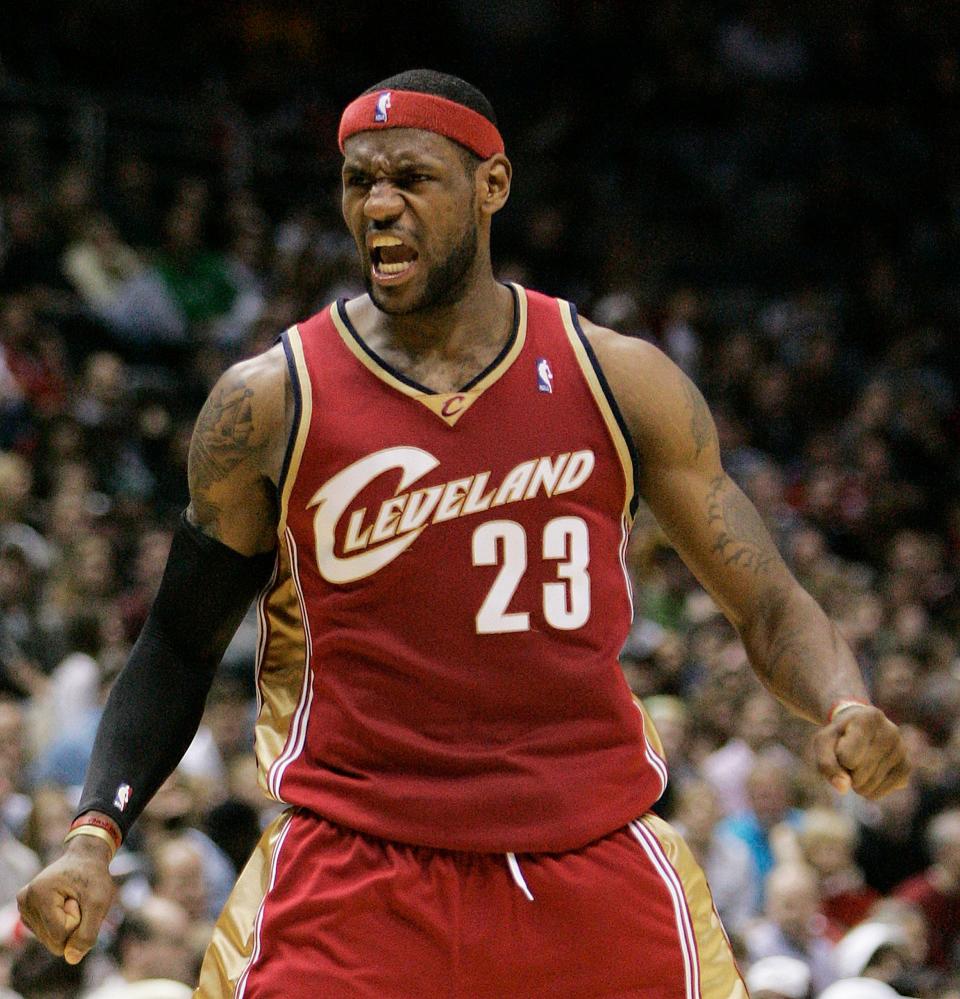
{"x": 105, "y": 824}
{"x": 843, "y": 704}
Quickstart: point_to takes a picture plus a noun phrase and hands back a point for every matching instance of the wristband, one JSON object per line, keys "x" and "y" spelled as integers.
{"x": 843, "y": 704}
{"x": 94, "y": 821}
{"x": 91, "y": 830}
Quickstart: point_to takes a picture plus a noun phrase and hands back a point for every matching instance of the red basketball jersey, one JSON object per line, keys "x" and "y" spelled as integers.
{"x": 438, "y": 655}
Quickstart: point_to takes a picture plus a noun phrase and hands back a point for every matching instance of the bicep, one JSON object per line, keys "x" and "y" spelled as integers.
{"x": 232, "y": 498}
{"x": 707, "y": 518}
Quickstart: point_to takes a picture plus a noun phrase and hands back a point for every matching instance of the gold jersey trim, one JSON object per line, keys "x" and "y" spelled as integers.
{"x": 620, "y": 442}
{"x": 282, "y": 671}
{"x": 448, "y": 406}
{"x": 303, "y": 392}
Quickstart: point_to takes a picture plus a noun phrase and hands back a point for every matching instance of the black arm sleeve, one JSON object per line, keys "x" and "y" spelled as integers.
{"x": 155, "y": 707}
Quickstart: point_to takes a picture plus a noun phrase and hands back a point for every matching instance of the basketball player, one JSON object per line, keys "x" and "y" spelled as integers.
{"x": 430, "y": 488}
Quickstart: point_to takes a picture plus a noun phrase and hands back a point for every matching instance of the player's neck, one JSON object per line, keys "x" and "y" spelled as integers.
{"x": 443, "y": 345}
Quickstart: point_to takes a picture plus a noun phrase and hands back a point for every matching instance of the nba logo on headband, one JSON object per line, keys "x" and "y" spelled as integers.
{"x": 383, "y": 105}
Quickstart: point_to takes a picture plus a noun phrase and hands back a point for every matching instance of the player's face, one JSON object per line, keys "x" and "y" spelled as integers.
{"x": 410, "y": 202}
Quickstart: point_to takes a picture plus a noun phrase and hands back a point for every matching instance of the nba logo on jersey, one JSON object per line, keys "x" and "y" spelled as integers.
{"x": 123, "y": 796}
{"x": 544, "y": 375}
{"x": 383, "y": 105}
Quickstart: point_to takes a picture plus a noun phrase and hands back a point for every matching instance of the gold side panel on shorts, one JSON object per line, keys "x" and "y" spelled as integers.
{"x": 302, "y": 428}
{"x": 603, "y": 404}
{"x": 280, "y": 677}
{"x": 719, "y": 977}
{"x": 232, "y": 943}
{"x": 449, "y": 406}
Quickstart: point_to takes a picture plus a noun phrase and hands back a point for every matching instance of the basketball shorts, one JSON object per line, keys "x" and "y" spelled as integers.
{"x": 323, "y": 912}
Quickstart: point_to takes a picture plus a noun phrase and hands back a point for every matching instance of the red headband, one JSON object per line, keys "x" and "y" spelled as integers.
{"x": 409, "y": 109}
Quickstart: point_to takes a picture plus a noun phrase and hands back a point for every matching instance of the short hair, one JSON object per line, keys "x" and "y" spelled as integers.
{"x": 431, "y": 81}
{"x": 822, "y": 824}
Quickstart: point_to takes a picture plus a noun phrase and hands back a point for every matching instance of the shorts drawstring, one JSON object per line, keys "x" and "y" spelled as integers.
{"x": 518, "y": 875}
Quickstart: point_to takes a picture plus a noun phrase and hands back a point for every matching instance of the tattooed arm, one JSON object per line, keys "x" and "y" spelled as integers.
{"x": 792, "y": 645}
{"x": 218, "y": 561}
{"x": 236, "y": 453}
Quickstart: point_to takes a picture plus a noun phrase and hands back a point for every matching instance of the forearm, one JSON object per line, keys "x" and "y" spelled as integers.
{"x": 800, "y": 655}
{"x": 156, "y": 705}
{"x": 151, "y": 716}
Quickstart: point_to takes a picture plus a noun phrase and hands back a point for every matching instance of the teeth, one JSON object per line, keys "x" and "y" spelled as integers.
{"x": 393, "y": 268}
{"x": 385, "y": 241}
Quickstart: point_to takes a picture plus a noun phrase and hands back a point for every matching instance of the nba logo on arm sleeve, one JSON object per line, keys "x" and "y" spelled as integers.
{"x": 544, "y": 375}
{"x": 383, "y": 106}
{"x": 124, "y": 791}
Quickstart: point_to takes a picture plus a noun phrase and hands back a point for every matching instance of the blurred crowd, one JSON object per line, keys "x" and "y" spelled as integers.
{"x": 769, "y": 195}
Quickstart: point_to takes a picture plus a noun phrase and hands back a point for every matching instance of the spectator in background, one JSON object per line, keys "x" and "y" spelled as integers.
{"x": 34, "y": 355}
{"x": 73, "y": 688}
{"x": 195, "y": 277}
{"x": 729, "y": 768}
{"x": 175, "y": 814}
{"x": 37, "y": 974}
{"x": 827, "y": 840}
{"x": 770, "y": 803}
{"x": 26, "y": 647}
{"x": 49, "y": 821}
{"x": 779, "y": 977}
{"x": 936, "y": 890}
{"x": 151, "y": 943}
{"x": 793, "y": 925}
{"x": 179, "y": 877}
{"x": 103, "y": 271}
{"x": 890, "y": 842}
{"x": 725, "y": 859}
{"x": 19, "y": 515}
{"x": 17, "y": 862}
{"x": 15, "y": 805}
{"x": 873, "y": 949}
{"x": 30, "y": 257}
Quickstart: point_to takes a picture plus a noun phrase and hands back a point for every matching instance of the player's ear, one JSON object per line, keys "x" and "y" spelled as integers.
{"x": 493, "y": 183}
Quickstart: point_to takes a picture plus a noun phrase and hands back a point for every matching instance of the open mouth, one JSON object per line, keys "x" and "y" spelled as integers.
{"x": 390, "y": 257}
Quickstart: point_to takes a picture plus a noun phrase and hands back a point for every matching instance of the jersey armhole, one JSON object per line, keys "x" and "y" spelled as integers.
{"x": 302, "y": 408}
{"x": 606, "y": 403}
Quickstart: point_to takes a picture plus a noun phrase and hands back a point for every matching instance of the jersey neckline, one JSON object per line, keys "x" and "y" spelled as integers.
{"x": 398, "y": 380}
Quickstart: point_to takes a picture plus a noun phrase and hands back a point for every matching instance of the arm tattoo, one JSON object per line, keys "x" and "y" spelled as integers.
{"x": 740, "y": 535}
{"x": 791, "y": 657}
{"x": 701, "y": 424}
{"x": 221, "y": 441}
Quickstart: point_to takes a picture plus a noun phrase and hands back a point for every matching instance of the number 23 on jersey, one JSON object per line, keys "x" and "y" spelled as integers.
{"x": 566, "y": 601}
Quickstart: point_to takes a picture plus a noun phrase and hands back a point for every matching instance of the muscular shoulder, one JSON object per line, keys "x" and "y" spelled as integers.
{"x": 665, "y": 412}
{"x": 237, "y": 449}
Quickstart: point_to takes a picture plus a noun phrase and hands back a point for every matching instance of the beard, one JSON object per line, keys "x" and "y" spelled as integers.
{"x": 444, "y": 284}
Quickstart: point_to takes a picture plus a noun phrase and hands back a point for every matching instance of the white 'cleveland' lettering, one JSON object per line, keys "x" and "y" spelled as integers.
{"x": 372, "y": 542}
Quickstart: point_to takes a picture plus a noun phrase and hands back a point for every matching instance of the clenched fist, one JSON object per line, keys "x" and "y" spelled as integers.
{"x": 66, "y": 902}
{"x": 863, "y": 750}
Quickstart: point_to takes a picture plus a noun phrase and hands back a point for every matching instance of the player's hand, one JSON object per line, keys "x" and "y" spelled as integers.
{"x": 863, "y": 750}
{"x": 66, "y": 902}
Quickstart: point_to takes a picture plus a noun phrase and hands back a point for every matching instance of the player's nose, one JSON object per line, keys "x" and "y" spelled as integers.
{"x": 383, "y": 202}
